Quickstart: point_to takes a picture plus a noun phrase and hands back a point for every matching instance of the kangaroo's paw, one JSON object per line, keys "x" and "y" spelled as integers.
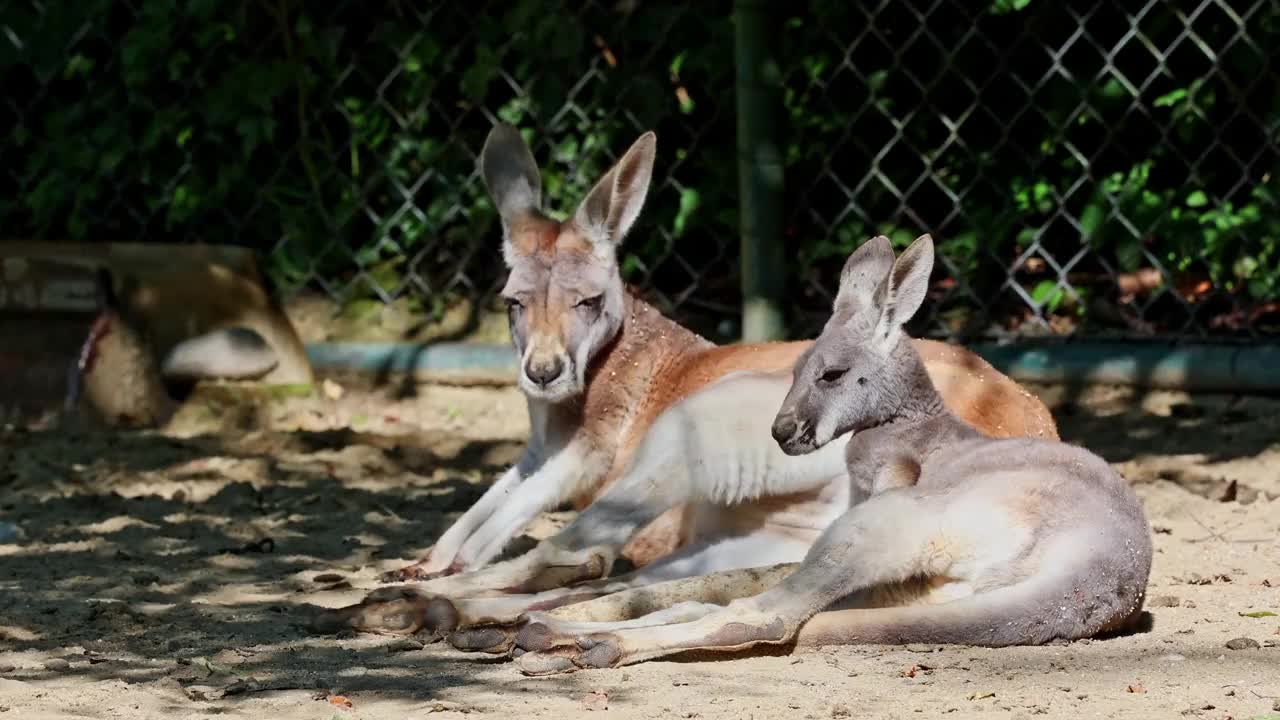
{"x": 554, "y": 662}
{"x": 390, "y": 611}
{"x": 602, "y": 650}
{"x": 539, "y": 633}
{"x": 491, "y": 639}
{"x": 553, "y": 576}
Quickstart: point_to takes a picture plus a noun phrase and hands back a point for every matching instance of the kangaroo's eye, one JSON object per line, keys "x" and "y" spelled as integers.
{"x": 591, "y": 303}
{"x": 833, "y": 374}
{"x": 862, "y": 381}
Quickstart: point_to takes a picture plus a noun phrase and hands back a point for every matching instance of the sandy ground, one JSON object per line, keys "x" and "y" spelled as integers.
{"x": 161, "y": 575}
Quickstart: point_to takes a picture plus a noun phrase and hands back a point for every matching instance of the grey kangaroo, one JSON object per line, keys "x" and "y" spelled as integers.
{"x": 951, "y": 536}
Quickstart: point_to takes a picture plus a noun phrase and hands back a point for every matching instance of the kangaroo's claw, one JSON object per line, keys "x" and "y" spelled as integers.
{"x": 416, "y": 572}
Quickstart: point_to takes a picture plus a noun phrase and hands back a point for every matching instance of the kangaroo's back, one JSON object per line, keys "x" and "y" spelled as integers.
{"x": 971, "y": 388}
{"x": 983, "y": 396}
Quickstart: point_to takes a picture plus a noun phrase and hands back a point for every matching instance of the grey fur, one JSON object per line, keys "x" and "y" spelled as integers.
{"x": 1078, "y": 542}
{"x": 510, "y": 173}
{"x": 952, "y": 536}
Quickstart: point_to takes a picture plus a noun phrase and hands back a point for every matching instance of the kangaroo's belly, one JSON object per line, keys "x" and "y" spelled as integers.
{"x": 745, "y": 483}
{"x": 799, "y": 516}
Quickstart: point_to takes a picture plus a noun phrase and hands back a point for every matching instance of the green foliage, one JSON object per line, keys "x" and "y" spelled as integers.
{"x": 1058, "y": 154}
{"x": 340, "y": 139}
{"x": 341, "y": 142}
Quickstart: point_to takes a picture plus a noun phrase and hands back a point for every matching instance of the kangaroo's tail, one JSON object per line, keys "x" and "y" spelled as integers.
{"x": 1033, "y": 612}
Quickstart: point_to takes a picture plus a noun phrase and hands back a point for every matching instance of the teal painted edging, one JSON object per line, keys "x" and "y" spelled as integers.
{"x": 1245, "y": 369}
{"x": 1205, "y": 368}
{"x": 407, "y": 357}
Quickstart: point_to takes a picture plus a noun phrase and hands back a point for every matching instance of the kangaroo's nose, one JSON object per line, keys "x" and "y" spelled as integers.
{"x": 542, "y": 374}
{"x": 784, "y": 427}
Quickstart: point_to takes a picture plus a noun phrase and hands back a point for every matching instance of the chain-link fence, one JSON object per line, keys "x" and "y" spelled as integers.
{"x": 1088, "y": 168}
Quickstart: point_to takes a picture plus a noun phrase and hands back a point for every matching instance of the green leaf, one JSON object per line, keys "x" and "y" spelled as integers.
{"x": 677, "y": 62}
{"x": 1092, "y": 217}
{"x": 77, "y": 65}
{"x": 1111, "y": 89}
{"x": 1197, "y": 199}
{"x": 689, "y": 201}
{"x": 1047, "y": 294}
{"x": 631, "y": 265}
{"x": 876, "y": 81}
{"x": 1002, "y": 7}
{"x": 1171, "y": 98}
{"x": 1129, "y": 253}
{"x": 1258, "y": 614}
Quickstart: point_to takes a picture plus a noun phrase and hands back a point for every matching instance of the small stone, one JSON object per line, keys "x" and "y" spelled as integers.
{"x": 1164, "y": 601}
{"x": 332, "y": 390}
{"x": 841, "y": 711}
{"x": 596, "y": 700}
{"x": 203, "y": 693}
{"x": 405, "y": 645}
{"x": 326, "y": 578}
{"x": 1186, "y": 411}
{"x": 57, "y": 664}
{"x": 1189, "y": 604}
{"x": 9, "y": 533}
{"x": 6, "y": 668}
{"x": 1243, "y": 643}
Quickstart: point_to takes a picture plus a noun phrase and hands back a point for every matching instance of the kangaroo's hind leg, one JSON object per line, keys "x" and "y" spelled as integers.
{"x": 891, "y": 538}
{"x": 489, "y": 624}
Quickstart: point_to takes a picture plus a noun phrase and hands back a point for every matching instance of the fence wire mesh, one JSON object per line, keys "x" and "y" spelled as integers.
{"x": 1087, "y": 168}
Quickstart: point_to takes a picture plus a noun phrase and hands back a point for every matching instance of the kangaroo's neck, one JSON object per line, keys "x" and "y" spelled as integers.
{"x": 919, "y": 417}
{"x": 916, "y": 426}
{"x": 916, "y": 399}
{"x": 646, "y": 350}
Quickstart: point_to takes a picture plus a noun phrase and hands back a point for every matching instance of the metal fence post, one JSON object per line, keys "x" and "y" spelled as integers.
{"x": 759, "y": 90}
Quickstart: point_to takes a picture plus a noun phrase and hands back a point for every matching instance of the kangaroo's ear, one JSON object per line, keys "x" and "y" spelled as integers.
{"x": 863, "y": 272}
{"x": 902, "y": 293}
{"x": 613, "y": 205}
{"x": 510, "y": 173}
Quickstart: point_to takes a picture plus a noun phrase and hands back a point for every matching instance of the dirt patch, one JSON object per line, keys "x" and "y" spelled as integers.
{"x": 158, "y": 575}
